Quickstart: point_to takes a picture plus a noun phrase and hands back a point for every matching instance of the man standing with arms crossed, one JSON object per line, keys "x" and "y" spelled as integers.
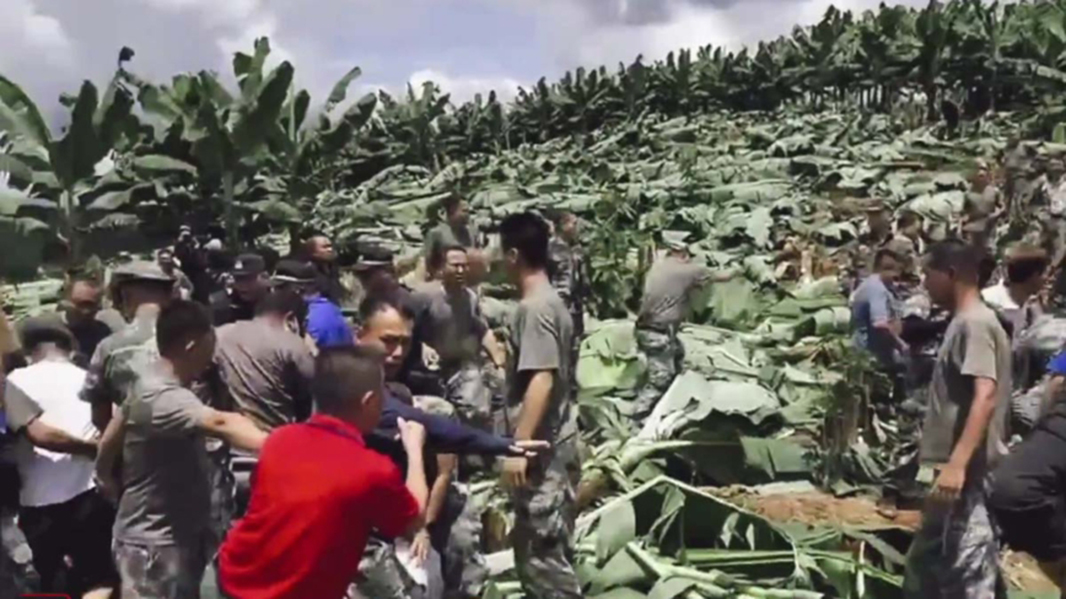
{"x": 956, "y": 551}
{"x": 541, "y": 404}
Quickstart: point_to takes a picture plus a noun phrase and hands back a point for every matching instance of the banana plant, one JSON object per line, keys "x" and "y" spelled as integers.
{"x": 224, "y": 135}
{"x": 71, "y": 181}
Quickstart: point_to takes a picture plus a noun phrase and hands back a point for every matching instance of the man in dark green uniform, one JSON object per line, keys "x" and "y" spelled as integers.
{"x": 569, "y": 272}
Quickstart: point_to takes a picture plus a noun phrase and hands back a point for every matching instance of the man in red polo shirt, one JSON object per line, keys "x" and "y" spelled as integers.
{"x": 318, "y": 491}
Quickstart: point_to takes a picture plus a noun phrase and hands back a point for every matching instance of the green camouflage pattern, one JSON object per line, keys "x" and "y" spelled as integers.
{"x": 382, "y": 575}
{"x": 118, "y": 362}
{"x": 543, "y": 534}
{"x": 665, "y": 355}
{"x": 463, "y": 565}
{"x": 570, "y": 277}
{"x": 155, "y": 572}
{"x": 468, "y": 390}
{"x": 956, "y": 551}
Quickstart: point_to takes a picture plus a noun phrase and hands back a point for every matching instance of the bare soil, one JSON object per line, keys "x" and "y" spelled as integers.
{"x": 817, "y": 508}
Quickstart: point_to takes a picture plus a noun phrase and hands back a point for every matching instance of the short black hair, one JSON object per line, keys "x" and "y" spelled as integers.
{"x": 527, "y": 233}
{"x": 282, "y": 301}
{"x": 908, "y": 218}
{"x": 180, "y": 322}
{"x": 883, "y": 253}
{"x": 439, "y": 254}
{"x": 451, "y": 202}
{"x": 343, "y": 374}
{"x": 35, "y": 331}
{"x": 377, "y": 302}
{"x": 966, "y": 262}
{"x": 1026, "y": 263}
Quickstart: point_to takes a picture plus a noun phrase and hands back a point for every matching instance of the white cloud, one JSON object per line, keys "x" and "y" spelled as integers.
{"x": 32, "y": 36}
{"x": 463, "y": 88}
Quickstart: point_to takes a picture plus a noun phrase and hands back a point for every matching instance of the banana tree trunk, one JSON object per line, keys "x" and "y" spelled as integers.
{"x": 68, "y": 227}
{"x": 230, "y": 211}
{"x": 930, "y": 102}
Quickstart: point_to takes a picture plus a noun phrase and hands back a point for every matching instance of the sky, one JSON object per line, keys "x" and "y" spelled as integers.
{"x": 465, "y": 46}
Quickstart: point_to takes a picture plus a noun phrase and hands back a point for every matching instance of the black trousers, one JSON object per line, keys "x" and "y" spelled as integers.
{"x": 79, "y": 529}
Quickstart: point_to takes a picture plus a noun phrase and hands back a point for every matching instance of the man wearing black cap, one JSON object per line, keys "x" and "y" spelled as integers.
{"x": 250, "y": 284}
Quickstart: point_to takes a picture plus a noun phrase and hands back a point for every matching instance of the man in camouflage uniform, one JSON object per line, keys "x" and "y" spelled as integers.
{"x": 449, "y": 320}
{"x": 569, "y": 272}
{"x": 541, "y": 406}
{"x": 668, "y": 290}
{"x": 955, "y": 553}
{"x": 141, "y": 290}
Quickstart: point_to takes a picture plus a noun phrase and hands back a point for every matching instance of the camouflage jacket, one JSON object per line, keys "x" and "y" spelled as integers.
{"x": 118, "y": 361}
{"x": 569, "y": 275}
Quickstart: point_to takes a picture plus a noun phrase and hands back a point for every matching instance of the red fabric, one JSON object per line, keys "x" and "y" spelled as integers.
{"x": 317, "y": 493}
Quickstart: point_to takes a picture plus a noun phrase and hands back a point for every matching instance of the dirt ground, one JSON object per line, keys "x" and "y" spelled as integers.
{"x": 818, "y": 508}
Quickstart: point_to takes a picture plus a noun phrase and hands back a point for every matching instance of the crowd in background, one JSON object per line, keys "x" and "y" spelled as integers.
{"x": 225, "y": 414}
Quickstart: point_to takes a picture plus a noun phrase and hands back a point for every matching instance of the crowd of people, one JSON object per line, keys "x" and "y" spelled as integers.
{"x": 229, "y": 416}
{"x": 233, "y": 416}
{"x": 966, "y": 354}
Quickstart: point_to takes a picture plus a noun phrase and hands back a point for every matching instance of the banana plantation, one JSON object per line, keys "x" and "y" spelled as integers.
{"x": 763, "y": 156}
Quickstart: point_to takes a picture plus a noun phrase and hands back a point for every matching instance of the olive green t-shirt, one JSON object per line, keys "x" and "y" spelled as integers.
{"x": 541, "y": 333}
{"x": 975, "y": 346}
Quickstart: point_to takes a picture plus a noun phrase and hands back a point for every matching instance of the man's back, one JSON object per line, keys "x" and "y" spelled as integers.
{"x": 266, "y": 370}
{"x": 317, "y": 494}
{"x": 667, "y": 290}
{"x": 118, "y": 361}
{"x": 50, "y": 478}
{"x": 166, "y": 495}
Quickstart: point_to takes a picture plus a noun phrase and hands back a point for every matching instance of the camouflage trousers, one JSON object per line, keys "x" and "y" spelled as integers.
{"x": 223, "y": 494}
{"x": 955, "y": 553}
{"x": 383, "y": 575}
{"x": 665, "y": 356}
{"x": 470, "y": 391}
{"x": 162, "y": 571}
{"x": 17, "y": 575}
{"x": 458, "y": 535}
{"x": 543, "y": 535}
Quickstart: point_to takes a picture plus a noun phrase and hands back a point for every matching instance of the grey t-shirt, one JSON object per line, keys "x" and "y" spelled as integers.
{"x": 668, "y": 289}
{"x": 540, "y": 340}
{"x": 166, "y": 495}
{"x": 975, "y": 345}
{"x": 19, "y": 409}
{"x": 266, "y": 371}
{"x": 451, "y": 324}
{"x": 872, "y": 303}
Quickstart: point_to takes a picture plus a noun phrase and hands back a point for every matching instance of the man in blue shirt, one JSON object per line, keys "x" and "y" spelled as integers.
{"x": 326, "y": 324}
{"x": 875, "y": 316}
{"x": 388, "y": 325}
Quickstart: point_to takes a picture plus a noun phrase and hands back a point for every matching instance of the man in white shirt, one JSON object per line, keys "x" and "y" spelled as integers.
{"x": 61, "y": 513}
